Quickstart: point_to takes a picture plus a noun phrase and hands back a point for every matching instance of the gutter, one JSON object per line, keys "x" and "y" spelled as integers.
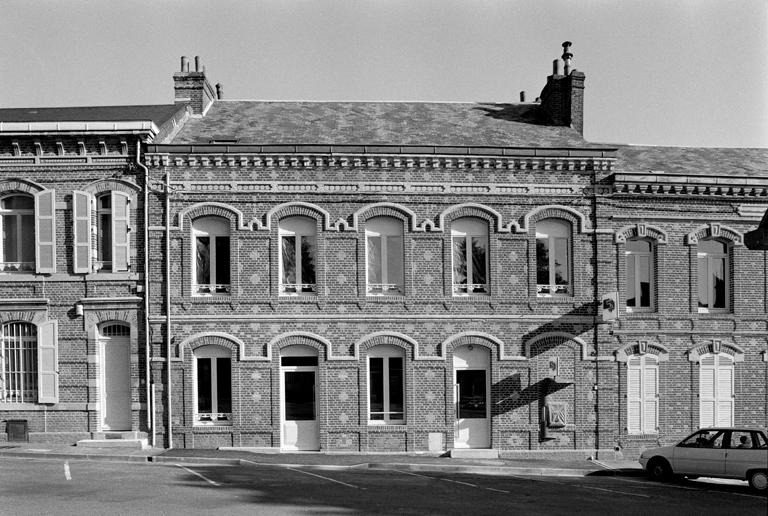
{"x": 168, "y": 304}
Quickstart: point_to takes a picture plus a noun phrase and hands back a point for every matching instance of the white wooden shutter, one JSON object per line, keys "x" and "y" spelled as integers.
{"x": 650, "y": 395}
{"x": 707, "y": 396}
{"x": 634, "y": 398}
{"x": 47, "y": 363}
{"x": 45, "y": 232}
{"x": 81, "y": 214}
{"x": 120, "y": 228}
{"x": 724, "y": 391}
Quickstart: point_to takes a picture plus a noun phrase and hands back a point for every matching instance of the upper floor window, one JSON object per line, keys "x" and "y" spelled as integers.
{"x": 211, "y": 260}
{"x": 109, "y": 251}
{"x": 386, "y": 385}
{"x": 298, "y": 251}
{"x": 553, "y": 249}
{"x": 713, "y": 275}
{"x": 469, "y": 242}
{"x": 640, "y": 280}
{"x": 384, "y": 255}
{"x": 17, "y": 230}
{"x": 18, "y": 363}
{"x": 213, "y": 385}
{"x": 642, "y": 394}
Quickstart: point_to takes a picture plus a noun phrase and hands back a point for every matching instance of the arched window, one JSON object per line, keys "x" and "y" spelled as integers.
{"x": 469, "y": 241}
{"x": 384, "y": 256}
{"x": 640, "y": 274}
{"x": 298, "y": 251}
{"x": 213, "y": 385}
{"x": 211, "y": 263}
{"x": 17, "y": 233}
{"x": 386, "y": 385}
{"x": 713, "y": 277}
{"x": 716, "y": 396}
{"x": 553, "y": 251}
{"x": 642, "y": 394}
{"x": 18, "y": 363}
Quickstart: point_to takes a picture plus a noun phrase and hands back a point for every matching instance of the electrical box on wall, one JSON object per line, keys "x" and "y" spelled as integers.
{"x": 608, "y": 310}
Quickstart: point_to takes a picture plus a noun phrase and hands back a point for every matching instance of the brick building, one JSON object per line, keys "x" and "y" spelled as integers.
{"x": 399, "y": 277}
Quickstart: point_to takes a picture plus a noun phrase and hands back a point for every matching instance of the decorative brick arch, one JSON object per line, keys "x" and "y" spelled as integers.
{"x": 297, "y": 208}
{"x": 474, "y": 338}
{"x": 20, "y": 185}
{"x": 300, "y": 338}
{"x": 471, "y": 210}
{"x": 385, "y": 209}
{"x": 235, "y": 345}
{"x": 211, "y": 209}
{"x": 715, "y": 347}
{"x": 554, "y": 211}
{"x": 642, "y": 348}
{"x": 35, "y": 317}
{"x": 554, "y": 339}
{"x": 714, "y": 230}
{"x": 640, "y": 230}
{"x": 112, "y": 185}
{"x": 389, "y": 338}
{"x": 97, "y": 317}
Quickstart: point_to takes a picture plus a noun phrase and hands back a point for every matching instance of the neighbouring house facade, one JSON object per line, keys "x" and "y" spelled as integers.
{"x": 384, "y": 277}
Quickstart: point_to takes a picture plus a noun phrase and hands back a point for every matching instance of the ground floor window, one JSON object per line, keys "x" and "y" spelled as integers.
{"x": 716, "y": 390}
{"x": 18, "y": 363}
{"x": 642, "y": 395}
{"x": 213, "y": 371}
{"x": 386, "y": 385}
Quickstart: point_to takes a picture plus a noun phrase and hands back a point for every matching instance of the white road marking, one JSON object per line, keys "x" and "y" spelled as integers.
{"x": 497, "y": 490}
{"x": 213, "y": 483}
{"x": 67, "y": 473}
{"x": 324, "y": 478}
{"x": 454, "y": 481}
{"x": 614, "y": 491}
{"x": 457, "y": 482}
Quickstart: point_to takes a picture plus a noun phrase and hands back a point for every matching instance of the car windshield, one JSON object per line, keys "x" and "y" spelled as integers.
{"x": 704, "y": 439}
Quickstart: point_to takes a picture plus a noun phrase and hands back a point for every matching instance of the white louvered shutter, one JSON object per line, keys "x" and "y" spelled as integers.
{"x": 634, "y": 395}
{"x": 707, "y": 396}
{"x": 724, "y": 391}
{"x": 47, "y": 363}
{"x": 45, "y": 232}
{"x": 650, "y": 395}
{"x": 81, "y": 210}
{"x": 120, "y": 228}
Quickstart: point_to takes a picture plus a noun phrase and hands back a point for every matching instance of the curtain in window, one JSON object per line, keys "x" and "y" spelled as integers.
{"x": 289, "y": 259}
{"x": 203, "y": 260}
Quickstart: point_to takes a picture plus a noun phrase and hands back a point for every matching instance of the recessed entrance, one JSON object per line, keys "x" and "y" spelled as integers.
{"x": 298, "y": 406}
{"x": 115, "y": 377}
{"x": 471, "y": 397}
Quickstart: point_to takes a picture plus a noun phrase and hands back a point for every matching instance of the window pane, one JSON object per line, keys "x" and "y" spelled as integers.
{"x": 631, "y": 285}
{"x": 289, "y": 259}
{"x": 10, "y": 238}
{"x": 638, "y": 246}
{"x": 104, "y": 237}
{"x": 28, "y": 238}
{"x": 222, "y": 260}
{"x": 396, "y": 386}
{"x": 224, "y": 384}
{"x": 479, "y": 252}
{"x": 712, "y": 247}
{"x": 374, "y": 259}
{"x": 204, "y": 385}
{"x": 299, "y": 395}
{"x": 203, "y": 260}
{"x": 542, "y": 261}
{"x": 561, "y": 261}
{"x": 471, "y": 394}
{"x": 644, "y": 277}
{"x": 308, "y": 261}
{"x": 718, "y": 282}
{"x": 459, "y": 260}
{"x": 298, "y": 361}
{"x": 376, "y": 386}
{"x": 395, "y": 261}
{"x": 703, "y": 275}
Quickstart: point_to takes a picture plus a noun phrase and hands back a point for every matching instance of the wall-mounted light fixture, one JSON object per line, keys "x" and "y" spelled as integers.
{"x": 78, "y": 309}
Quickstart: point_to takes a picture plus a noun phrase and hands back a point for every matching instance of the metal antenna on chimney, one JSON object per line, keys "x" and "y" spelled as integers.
{"x": 567, "y": 57}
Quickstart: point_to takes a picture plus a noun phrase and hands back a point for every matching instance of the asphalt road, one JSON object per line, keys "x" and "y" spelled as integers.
{"x": 34, "y": 486}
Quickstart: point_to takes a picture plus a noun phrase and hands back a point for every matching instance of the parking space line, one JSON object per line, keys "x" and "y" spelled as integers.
{"x": 454, "y": 481}
{"x": 628, "y": 493}
{"x": 213, "y": 483}
{"x": 325, "y": 478}
{"x": 497, "y": 490}
{"x": 67, "y": 473}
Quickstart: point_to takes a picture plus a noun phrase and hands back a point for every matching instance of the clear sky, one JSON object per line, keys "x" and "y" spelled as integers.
{"x": 660, "y": 72}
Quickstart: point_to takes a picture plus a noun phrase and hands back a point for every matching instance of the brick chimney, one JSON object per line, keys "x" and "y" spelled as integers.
{"x": 193, "y": 88}
{"x": 562, "y": 99}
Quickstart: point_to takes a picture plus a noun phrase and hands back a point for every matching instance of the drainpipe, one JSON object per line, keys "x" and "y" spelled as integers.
{"x": 147, "y": 375}
{"x": 168, "y": 301}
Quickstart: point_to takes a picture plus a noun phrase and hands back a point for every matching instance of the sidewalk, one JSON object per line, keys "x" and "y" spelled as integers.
{"x": 328, "y": 461}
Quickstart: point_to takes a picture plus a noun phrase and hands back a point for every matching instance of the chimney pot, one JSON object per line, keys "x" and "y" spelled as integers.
{"x": 556, "y": 67}
{"x": 567, "y": 57}
{"x": 197, "y": 63}
{"x": 219, "y": 91}
{"x": 184, "y": 63}
{"x": 522, "y": 96}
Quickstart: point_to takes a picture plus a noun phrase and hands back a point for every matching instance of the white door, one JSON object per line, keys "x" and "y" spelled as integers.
{"x": 716, "y": 391}
{"x": 298, "y": 404}
{"x": 472, "y": 426}
{"x": 115, "y": 382}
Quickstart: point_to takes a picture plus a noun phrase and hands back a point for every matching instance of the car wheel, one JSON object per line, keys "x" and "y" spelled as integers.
{"x": 659, "y": 469}
{"x": 758, "y": 480}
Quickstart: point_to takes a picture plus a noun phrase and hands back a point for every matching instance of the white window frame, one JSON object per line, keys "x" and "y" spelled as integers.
{"x": 554, "y": 231}
{"x": 631, "y": 257}
{"x": 214, "y": 417}
{"x": 21, "y": 235}
{"x": 386, "y": 229}
{"x": 19, "y": 381}
{"x": 648, "y": 395}
{"x": 300, "y": 227}
{"x": 469, "y": 228}
{"x": 212, "y": 228}
{"x": 710, "y": 276}
{"x": 385, "y": 352}
{"x": 721, "y": 362}
{"x": 100, "y": 264}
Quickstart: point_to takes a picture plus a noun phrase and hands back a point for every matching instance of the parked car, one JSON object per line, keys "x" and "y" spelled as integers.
{"x": 713, "y": 452}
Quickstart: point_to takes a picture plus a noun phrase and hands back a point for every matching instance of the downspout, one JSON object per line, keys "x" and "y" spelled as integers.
{"x": 168, "y": 301}
{"x": 147, "y": 375}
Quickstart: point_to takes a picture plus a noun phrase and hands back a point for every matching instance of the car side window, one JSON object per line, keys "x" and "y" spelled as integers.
{"x": 759, "y": 440}
{"x": 742, "y": 439}
{"x": 703, "y": 439}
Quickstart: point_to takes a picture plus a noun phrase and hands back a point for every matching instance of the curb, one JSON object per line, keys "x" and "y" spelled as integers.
{"x": 502, "y": 471}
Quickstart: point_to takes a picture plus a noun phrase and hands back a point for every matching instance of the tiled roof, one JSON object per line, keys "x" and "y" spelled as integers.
{"x": 159, "y": 114}
{"x": 372, "y": 123}
{"x": 693, "y": 160}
